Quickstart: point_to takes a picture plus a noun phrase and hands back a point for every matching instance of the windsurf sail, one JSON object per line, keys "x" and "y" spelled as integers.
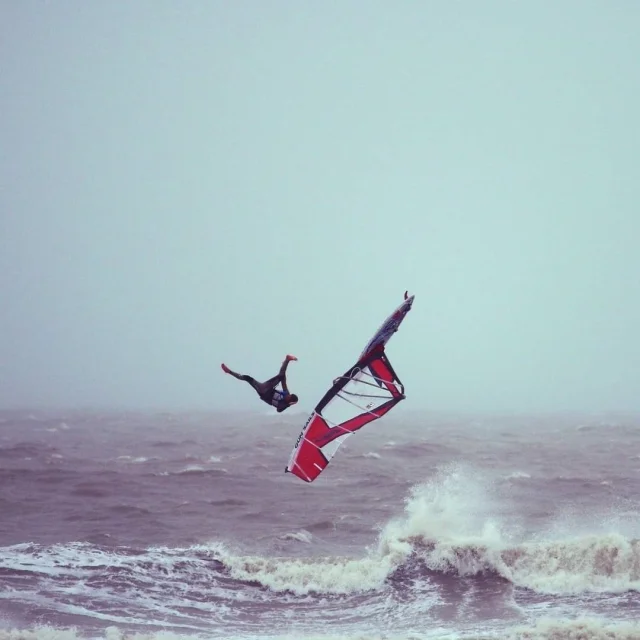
{"x": 389, "y": 326}
{"x": 366, "y": 392}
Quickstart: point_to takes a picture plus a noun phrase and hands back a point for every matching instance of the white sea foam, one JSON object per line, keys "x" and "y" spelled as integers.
{"x": 300, "y": 536}
{"x": 583, "y": 628}
{"x": 132, "y": 459}
{"x": 517, "y": 475}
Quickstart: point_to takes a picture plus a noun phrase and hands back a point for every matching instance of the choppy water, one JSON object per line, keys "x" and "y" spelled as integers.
{"x": 423, "y": 526}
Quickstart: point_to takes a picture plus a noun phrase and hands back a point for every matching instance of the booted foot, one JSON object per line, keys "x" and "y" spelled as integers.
{"x": 291, "y": 358}
{"x": 225, "y": 368}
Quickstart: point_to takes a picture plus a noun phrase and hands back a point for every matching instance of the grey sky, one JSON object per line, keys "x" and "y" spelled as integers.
{"x": 185, "y": 183}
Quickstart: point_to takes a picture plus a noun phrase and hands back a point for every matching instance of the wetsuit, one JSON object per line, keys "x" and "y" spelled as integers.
{"x": 267, "y": 390}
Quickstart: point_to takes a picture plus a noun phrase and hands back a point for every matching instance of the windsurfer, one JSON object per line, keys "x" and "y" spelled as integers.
{"x": 280, "y": 399}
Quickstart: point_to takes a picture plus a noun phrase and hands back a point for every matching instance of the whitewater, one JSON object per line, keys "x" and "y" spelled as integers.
{"x": 424, "y": 526}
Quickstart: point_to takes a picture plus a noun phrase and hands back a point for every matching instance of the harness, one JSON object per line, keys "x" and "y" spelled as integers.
{"x": 277, "y": 397}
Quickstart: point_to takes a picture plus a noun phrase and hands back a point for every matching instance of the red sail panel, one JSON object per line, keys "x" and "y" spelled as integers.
{"x": 365, "y": 393}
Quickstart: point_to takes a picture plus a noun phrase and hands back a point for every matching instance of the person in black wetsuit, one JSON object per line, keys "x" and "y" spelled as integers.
{"x": 267, "y": 391}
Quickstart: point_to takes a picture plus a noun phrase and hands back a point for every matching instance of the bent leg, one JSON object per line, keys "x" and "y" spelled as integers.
{"x": 271, "y": 383}
{"x": 283, "y": 367}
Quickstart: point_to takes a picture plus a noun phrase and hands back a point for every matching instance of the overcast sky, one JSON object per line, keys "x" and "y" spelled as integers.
{"x": 189, "y": 182}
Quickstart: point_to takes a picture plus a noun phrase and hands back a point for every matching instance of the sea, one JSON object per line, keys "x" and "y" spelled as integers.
{"x": 424, "y": 526}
